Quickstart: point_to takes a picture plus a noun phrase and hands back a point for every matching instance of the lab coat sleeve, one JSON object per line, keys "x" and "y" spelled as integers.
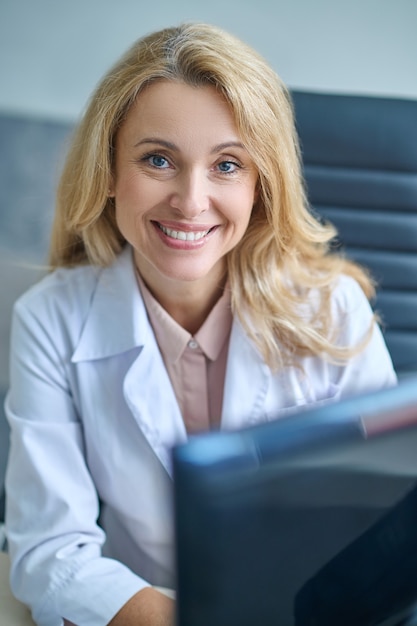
{"x": 52, "y": 505}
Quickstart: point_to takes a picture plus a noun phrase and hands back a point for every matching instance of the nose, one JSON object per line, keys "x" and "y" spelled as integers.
{"x": 191, "y": 194}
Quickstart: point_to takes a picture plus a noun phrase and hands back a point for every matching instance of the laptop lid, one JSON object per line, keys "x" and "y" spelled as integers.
{"x": 305, "y": 520}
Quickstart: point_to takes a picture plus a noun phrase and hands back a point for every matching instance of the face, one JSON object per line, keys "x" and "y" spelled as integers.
{"x": 184, "y": 185}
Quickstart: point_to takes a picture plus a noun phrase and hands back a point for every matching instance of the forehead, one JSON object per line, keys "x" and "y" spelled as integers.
{"x": 176, "y": 107}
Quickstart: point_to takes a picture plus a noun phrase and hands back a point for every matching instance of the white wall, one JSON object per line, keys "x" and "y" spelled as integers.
{"x": 52, "y": 52}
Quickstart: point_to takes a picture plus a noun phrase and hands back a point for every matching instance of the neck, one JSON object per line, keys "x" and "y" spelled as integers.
{"x": 188, "y": 308}
{"x": 187, "y": 302}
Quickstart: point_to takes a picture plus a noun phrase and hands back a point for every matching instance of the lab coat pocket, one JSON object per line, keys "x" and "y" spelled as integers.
{"x": 309, "y": 398}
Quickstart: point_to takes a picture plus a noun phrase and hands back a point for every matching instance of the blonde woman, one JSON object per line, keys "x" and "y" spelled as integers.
{"x": 190, "y": 289}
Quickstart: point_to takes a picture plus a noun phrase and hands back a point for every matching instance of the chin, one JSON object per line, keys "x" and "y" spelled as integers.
{"x": 188, "y": 275}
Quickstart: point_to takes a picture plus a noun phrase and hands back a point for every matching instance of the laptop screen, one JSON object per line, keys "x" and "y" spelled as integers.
{"x": 302, "y": 521}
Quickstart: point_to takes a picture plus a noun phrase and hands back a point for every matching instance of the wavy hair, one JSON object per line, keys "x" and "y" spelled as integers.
{"x": 286, "y": 251}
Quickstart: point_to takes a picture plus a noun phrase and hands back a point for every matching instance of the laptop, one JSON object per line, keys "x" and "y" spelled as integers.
{"x": 305, "y": 520}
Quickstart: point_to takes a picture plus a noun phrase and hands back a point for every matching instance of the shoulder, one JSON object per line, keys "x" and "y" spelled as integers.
{"x": 65, "y": 290}
{"x": 343, "y": 309}
{"x": 352, "y": 316}
{"x": 48, "y": 319}
{"x": 347, "y": 289}
{"x": 339, "y": 298}
{"x": 70, "y": 291}
{"x": 348, "y": 297}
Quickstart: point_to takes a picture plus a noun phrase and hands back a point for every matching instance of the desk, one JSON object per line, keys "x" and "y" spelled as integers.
{"x": 12, "y": 612}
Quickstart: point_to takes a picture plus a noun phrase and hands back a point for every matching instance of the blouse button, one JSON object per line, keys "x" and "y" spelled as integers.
{"x": 192, "y": 344}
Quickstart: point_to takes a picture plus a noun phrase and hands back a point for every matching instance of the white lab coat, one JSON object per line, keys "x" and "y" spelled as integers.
{"x": 93, "y": 417}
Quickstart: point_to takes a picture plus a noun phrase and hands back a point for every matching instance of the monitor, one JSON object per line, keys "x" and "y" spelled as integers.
{"x": 305, "y": 520}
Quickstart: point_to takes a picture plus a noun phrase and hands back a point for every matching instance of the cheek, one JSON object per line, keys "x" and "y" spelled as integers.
{"x": 122, "y": 221}
{"x": 139, "y": 193}
{"x": 125, "y": 212}
{"x": 134, "y": 200}
{"x": 243, "y": 207}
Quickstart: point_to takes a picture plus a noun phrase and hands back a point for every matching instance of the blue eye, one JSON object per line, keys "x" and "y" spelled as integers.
{"x": 158, "y": 161}
{"x": 228, "y": 167}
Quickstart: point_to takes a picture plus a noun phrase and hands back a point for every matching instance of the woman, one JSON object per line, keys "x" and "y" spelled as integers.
{"x": 191, "y": 289}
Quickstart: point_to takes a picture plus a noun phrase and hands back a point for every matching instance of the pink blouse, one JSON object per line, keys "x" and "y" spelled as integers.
{"x": 196, "y": 364}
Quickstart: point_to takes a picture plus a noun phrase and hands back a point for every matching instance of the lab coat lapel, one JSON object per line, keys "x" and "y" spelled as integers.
{"x": 246, "y": 384}
{"x": 117, "y": 324}
{"x": 117, "y": 320}
{"x": 149, "y": 394}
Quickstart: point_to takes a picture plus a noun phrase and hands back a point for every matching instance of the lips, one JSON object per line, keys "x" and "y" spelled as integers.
{"x": 184, "y": 235}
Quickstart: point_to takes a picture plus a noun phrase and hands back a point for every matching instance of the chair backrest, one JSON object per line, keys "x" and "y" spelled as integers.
{"x": 360, "y": 160}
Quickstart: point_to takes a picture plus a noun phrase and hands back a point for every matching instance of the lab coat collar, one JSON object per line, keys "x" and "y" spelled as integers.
{"x": 117, "y": 320}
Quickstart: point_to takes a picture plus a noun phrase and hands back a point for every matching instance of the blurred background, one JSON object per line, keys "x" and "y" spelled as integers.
{"x": 53, "y": 52}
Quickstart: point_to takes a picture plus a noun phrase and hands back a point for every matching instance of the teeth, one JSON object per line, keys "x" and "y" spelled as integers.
{"x": 181, "y": 234}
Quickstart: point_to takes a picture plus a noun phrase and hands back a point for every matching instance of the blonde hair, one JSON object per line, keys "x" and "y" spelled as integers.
{"x": 285, "y": 252}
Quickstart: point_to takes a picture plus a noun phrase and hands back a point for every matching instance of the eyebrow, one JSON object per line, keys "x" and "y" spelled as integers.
{"x": 228, "y": 144}
{"x": 160, "y": 142}
{"x": 171, "y": 146}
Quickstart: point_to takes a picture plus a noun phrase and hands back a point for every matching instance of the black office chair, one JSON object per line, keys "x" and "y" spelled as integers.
{"x": 360, "y": 159}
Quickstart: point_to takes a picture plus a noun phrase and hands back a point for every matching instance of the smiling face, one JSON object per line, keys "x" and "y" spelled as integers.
{"x": 184, "y": 185}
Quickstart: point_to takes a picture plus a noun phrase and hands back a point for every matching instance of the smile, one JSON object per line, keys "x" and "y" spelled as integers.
{"x": 184, "y": 235}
